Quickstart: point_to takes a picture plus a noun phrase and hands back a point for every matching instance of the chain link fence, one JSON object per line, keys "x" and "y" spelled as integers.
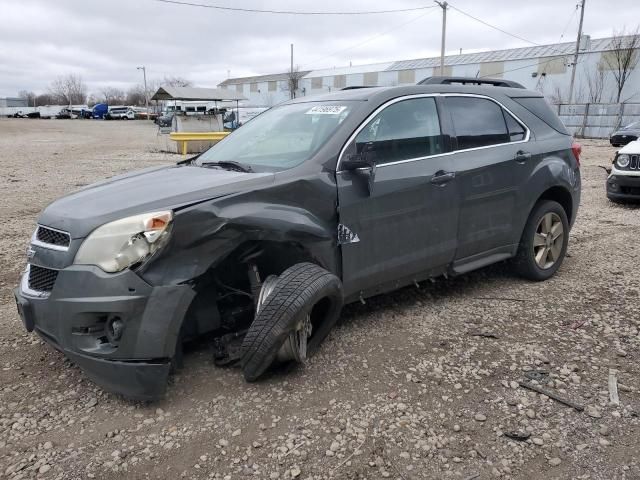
{"x": 597, "y": 120}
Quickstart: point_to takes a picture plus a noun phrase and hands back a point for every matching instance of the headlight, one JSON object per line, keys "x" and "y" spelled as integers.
{"x": 117, "y": 245}
{"x": 623, "y": 160}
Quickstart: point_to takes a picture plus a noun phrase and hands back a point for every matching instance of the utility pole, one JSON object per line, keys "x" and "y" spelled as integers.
{"x": 443, "y": 5}
{"x": 292, "y": 80}
{"x": 146, "y": 96}
{"x": 575, "y": 56}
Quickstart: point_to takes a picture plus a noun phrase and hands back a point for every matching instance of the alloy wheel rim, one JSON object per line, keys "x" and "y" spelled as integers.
{"x": 548, "y": 240}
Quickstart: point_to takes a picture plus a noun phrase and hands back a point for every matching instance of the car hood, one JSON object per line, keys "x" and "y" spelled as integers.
{"x": 142, "y": 191}
{"x": 631, "y": 131}
{"x": 631, "y": 148}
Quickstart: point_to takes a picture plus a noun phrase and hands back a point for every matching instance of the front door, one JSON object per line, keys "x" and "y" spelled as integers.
{"x": 400, "y": 224}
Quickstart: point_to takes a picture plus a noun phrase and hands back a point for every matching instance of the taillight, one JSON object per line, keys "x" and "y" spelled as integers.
{"x": 576, "y": 148}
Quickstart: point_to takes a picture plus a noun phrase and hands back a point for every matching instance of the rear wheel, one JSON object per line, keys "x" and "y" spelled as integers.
{"x": 544, "y": 241}
{"x": 294, "y": 314}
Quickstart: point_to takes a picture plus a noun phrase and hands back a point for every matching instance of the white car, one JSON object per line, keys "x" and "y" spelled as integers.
{"x": 118, "y": 113}
{"x": 623, "y": 183}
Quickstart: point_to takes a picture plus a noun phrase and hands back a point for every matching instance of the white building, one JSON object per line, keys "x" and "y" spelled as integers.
{"x": 545, "y": 68}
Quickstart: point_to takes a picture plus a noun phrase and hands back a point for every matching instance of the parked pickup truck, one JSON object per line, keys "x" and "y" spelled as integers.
{"x": 315, "y": 203}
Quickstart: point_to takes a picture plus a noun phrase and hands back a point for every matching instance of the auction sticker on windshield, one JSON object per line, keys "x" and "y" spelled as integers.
{"x": 326, "y": 110}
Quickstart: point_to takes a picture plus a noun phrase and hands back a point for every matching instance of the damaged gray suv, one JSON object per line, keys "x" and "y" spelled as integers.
{"x": 315, "y": 203}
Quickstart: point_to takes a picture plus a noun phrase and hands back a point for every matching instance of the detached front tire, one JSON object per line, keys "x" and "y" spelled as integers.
{"x": 295, "y": 313}
{"x": 544, "y": 241}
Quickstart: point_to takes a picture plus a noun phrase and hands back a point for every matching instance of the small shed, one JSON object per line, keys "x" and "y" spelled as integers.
{"x": 199, "y": 123}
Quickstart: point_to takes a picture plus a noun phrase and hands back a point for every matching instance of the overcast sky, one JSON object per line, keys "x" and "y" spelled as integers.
{"x": 104, "y": 40}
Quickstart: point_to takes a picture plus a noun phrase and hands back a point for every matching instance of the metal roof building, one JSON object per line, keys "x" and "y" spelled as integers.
{"x": 546, "y": 68}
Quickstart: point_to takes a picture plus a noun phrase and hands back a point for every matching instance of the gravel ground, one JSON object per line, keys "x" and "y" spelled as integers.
{"x": 421, "y": 383}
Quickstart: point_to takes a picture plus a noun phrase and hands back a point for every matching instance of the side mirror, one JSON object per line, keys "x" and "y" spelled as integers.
{"x": 365, "y": 159}
{"x": 355, "y": 161}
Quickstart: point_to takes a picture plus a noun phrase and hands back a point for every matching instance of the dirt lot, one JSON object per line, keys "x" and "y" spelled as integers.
{"x": 418, "y": 384}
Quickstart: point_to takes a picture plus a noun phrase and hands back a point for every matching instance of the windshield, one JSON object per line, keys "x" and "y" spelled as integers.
{"x": 281, "y": 137}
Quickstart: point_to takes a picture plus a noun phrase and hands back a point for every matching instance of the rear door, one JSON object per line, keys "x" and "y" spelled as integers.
{"x": 492, "y": 162}
{"x": 404, "y": 222}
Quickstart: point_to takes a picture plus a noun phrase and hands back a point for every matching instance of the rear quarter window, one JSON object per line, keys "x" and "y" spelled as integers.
{"x": 541, "y": 109}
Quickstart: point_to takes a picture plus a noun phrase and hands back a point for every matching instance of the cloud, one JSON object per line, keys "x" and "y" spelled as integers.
{"x": 105, "y": 41}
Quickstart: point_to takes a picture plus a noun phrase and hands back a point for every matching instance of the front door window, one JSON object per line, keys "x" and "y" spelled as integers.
{"x": 404, "y": 130}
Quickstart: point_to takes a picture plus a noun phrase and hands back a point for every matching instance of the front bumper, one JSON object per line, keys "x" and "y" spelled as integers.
{"x": 74, "y": 318}
{"x": 622, "y": 139}
{"x": 623, "y": 187}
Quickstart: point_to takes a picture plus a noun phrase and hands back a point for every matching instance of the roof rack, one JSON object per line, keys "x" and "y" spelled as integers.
{"x": 354, "y": 87}
{"x": 496, "y": 82}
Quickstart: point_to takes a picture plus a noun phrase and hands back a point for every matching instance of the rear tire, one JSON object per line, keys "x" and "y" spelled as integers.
{"x": 302, "y": 290}
{"x": 544, "y": 242}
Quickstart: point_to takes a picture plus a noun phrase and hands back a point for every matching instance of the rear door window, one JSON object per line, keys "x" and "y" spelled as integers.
{"x": 478, "y": 122}
{"x": 408, "y": 129}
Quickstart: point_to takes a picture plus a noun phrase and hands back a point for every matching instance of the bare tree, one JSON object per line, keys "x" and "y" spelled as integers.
{"x": 29, "y": 96}
{"x": 293, "y": 81}
{"x": 45, "y": 99}
{"x": 557, "y": 96}
{"x": 153, "y": 84}
{"x": 176, "y": 82}
{"x": 69, "y": 90}
{"x": 596, "y": 80}
{"x": 135, "y": 96}
{"x": 93, "y": 99}
{"x": 623, "y": 57}
{"x": 113, "y": 96}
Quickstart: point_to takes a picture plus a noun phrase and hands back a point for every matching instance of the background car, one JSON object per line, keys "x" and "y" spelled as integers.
{"x": 623, "y": 183}
{"x": 120, "y": 113}
{"x": 625, "y": 134}
{"x": 165, "y": 120}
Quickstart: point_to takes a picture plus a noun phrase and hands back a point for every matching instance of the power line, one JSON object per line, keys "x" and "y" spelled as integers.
{"x": 564, "y": 30}
{"x": 506, "y": 32}
{"x": 370, "y": 39}
{"x": 573, "y": 15}
{"x": 494, "y": 27}
{"x": 289, "y": 12}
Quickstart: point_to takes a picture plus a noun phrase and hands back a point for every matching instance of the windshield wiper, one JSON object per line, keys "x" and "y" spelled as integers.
{"x": 188, "y": 161}
{"x": 229, "y": 165}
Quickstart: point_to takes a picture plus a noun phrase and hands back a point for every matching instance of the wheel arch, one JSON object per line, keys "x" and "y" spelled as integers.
{"x": 562, "y": 196}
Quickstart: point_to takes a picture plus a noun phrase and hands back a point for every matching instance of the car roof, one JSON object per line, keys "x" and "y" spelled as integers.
{"x": 384, "y": 93}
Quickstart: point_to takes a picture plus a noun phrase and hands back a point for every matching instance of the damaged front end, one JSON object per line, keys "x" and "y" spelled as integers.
{"x": 120, "y": 301}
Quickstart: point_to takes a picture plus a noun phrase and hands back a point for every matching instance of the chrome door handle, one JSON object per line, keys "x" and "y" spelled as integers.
{"x": 442, "y": 178}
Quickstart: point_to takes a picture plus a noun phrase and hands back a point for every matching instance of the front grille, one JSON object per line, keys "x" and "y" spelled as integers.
{"x": 41, "y": 279}
{"x": 52, "y": 237}
{"x": 634, "y": 162}
{"x": 630, "y": 190}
